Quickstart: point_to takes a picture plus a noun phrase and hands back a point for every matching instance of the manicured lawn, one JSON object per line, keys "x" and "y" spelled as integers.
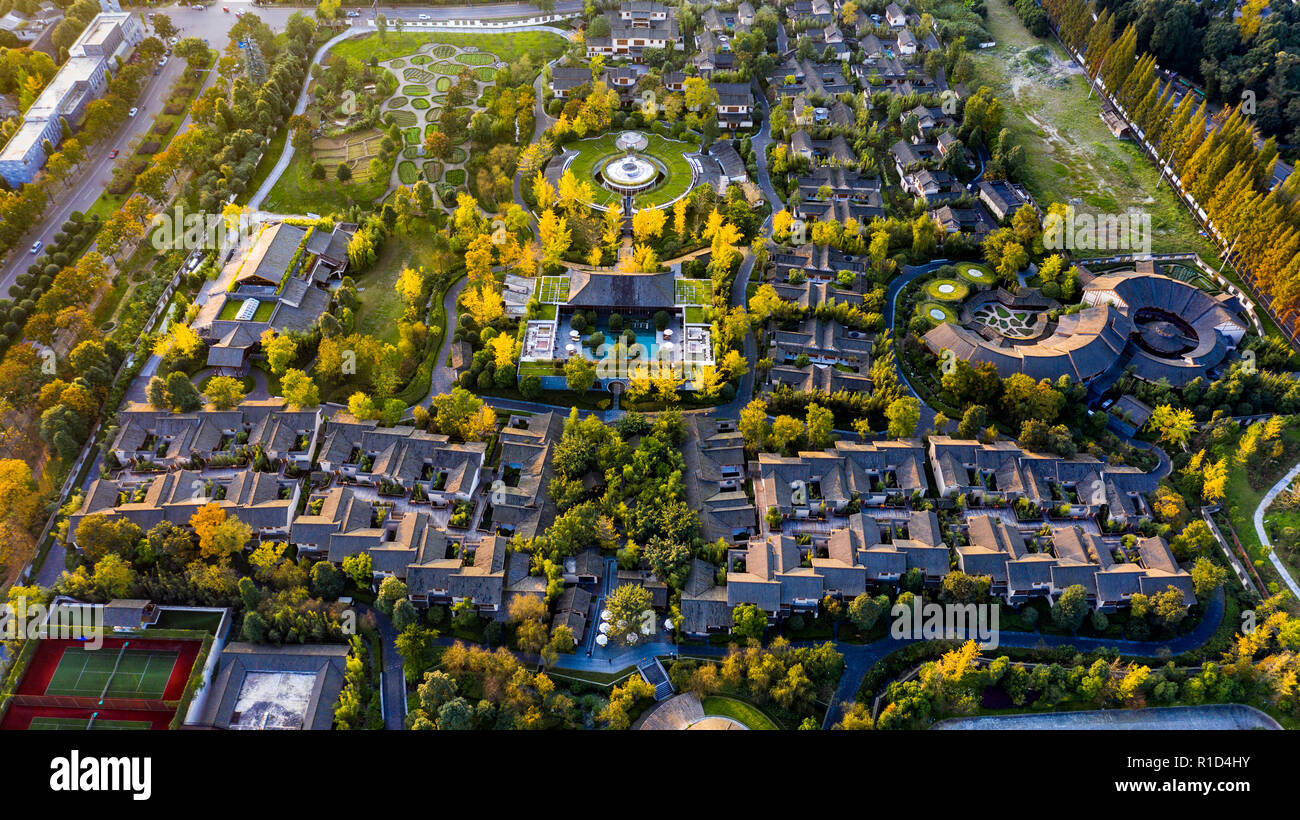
{"x": 937, "y": 313}
{"x": 738, "y": 711}
{"x": 595, "y": 151}
{"x": 509, "y": 47}
{"x": 976, "y": 273}
{"x": 946, "y": 290}
{"x": 295, "y": 192}
{"x": 380, "y": 307}
{"x": 407, "y": 172}
{"x": 231, "y": 308}
{"x": 1070, "y": 155}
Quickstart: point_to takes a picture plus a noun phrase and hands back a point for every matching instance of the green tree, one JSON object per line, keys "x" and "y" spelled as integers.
{"x": 1071, "y": 608}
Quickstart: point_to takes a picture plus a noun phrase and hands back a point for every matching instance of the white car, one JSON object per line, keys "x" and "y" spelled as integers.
{"x": 37, "y": 245}
{"x": 173, "y": 41}
{"x": 426, "y": 17}
{"x": 162, "y": 62}
{"x": 133, "y": 112}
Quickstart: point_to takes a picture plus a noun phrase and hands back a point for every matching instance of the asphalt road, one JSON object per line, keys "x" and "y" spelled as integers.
{"x": 213, "y": 24}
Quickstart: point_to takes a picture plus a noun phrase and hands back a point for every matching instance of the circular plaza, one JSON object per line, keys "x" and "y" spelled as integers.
{"x": 652, "y": 169}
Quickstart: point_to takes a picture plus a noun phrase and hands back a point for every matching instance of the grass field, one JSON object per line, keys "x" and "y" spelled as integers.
{"x": 296, "y": 192}
{"x": 80, "y": 725}
{"x": 739, "y": 711}
{"x": 86, "y": 673}
{"x": 509, "y": 47}
{"x": 1070, "y": 155}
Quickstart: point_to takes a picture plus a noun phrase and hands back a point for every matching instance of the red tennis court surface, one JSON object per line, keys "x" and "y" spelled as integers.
{"x": 31, "y": 699}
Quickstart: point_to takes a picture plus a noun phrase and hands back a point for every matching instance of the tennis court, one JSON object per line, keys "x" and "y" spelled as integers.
{"x": 124, "y": 673}
{"x": 84, "y": 724}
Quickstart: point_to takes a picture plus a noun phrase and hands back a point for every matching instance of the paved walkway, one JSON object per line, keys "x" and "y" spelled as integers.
{"x": 394, "y": 678}
{"x": 1273, "y": 492}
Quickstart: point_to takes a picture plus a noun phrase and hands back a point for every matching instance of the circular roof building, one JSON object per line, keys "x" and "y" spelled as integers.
{"x": 1162, "y": 327}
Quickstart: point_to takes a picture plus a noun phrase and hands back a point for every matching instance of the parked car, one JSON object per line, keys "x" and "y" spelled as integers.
{"x": 163, "y": 61}
{"x": 112, "y": 154}
{"x": 133, "y": 112}
{"x": 37, "y": 245}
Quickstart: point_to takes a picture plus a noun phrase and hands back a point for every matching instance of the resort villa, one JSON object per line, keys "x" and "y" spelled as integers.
{"x": 622, "y": 321}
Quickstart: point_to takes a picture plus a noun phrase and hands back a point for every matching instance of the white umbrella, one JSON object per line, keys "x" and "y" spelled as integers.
{"x": 604, "y": 628}
{"x": 605, "y": 615}
{"x": 601, "y": 640}
{"x": 668, "y": 333}
{"x": 631, "y": 638}
{"x": 668, "y": 624}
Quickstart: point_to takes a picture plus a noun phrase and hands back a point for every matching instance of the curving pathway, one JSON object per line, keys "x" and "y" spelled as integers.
{"x": 1264, "y": 503}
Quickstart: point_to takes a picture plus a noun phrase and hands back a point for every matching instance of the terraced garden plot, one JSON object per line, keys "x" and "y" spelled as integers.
{"x": 415, "y": 90}
{"x": 403, "y": 118}
{"x": 433, "y": 170}
{"x": 442, "y": 52}
{"x": 485, "y": 74}
{"x": 420, "y": 59}
{"x": 419, "y": 103}
{"x": 417, "y": 75}
{"x": 476, "y": 58}
{"x": 397, "y": 102}
{"x": 411, "y": 135}
{"x": 456, "y": 176}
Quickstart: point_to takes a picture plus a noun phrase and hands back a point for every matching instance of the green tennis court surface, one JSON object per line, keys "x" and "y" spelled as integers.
{"x": 140, "y": 673}
{"x": 82, "y": 724}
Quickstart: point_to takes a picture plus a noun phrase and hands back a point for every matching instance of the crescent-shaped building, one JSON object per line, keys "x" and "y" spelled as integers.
{"x": 1161, "y": 327}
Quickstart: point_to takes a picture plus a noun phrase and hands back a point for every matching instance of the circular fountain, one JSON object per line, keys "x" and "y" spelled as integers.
{"x": 633, "y": 171}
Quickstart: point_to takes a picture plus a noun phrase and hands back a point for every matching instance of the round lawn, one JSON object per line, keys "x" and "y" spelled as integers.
{"x": 947, "y": 290}
{"x": 420, "y": 59}
{"x": 458, "y": 154}
{"x": 456, "y": 176}
{"x": 976, "y": 273}
{"x": 936, "y": 313}
{"x": 476, "y": 58}
{"x": 397, "y": 102}
{"x": 419, "y": 104}
{"x": 415, "y": 90}
{"x": 407, "y": 172}
{"x": 411, "y": 152}
{"x": 442, "y": 84}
